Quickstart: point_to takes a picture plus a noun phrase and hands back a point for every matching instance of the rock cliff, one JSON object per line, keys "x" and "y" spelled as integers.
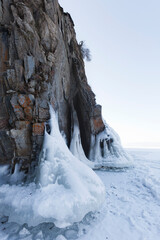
{"x": 41, "y": 64}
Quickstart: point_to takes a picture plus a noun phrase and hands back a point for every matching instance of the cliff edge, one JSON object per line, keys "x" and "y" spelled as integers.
{"x": 41, "y": 64}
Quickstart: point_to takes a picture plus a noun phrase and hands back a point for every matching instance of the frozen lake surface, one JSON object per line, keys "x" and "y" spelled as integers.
{"x": 131, "y": 210}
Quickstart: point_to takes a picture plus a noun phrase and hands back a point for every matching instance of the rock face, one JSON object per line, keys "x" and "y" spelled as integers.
{"x": 41, "y": 63}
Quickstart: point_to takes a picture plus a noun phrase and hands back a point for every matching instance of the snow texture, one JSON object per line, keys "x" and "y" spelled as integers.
{"x": 131, "y": 210}
{"x": 64, "y": 192}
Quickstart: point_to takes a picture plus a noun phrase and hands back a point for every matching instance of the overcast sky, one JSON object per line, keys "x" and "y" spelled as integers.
{"x": 124, "y": 39}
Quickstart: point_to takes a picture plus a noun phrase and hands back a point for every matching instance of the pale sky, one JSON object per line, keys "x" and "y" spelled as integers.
{"x": 124, "y": 39}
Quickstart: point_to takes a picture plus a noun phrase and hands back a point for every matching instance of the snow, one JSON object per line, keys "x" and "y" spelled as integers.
{"x": 68, "y": 200}
{"x": 65, "y": 189}
{"x": 24, "y": 232}
{"x": 131, "y": 210}
{"x": 60, "y": 237}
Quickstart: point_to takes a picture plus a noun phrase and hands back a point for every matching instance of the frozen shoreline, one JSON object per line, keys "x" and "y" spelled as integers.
{"x": 133, "y": 201}
{"x": 131, "y": 210}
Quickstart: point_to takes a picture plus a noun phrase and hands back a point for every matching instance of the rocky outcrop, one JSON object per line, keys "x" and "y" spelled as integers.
{"x": 41, "y": 63}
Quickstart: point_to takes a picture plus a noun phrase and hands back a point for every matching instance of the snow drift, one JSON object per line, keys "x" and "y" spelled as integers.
{"x": 65, "y": 189}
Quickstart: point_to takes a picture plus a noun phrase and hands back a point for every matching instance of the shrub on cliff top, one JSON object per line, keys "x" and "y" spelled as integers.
{"x": 85, "y": 51}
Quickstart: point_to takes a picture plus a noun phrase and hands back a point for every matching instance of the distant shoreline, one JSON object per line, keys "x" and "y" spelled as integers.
{"x": 141, "y": 149}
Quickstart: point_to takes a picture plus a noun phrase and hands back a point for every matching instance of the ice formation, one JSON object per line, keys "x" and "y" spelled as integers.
{"x": 64, "y": 192}
{"x": 131, "y": 209}
{"x": 76, "y": 145}
{"x": 106, "y": 150}
{"x": 7, "y": 178}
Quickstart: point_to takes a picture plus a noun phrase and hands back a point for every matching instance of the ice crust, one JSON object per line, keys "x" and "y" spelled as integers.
{"x": 65, "y": 189}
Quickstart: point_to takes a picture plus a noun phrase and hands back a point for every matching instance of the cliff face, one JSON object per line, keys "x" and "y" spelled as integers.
{"x": 41, "y": 63}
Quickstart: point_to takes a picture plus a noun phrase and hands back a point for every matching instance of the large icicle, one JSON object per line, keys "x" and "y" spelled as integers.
{"x": 65, "y": 190}
{"x": 76, "y": 145}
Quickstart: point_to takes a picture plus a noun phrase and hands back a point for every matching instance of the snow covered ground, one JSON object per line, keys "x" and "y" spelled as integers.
{"x": 131, "y": 210}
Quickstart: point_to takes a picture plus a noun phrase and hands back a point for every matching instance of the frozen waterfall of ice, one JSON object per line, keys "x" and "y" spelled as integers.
{"x": 64, "y": 192}
{"x": 105, "y": 150}
{"x": 76, "y": 145}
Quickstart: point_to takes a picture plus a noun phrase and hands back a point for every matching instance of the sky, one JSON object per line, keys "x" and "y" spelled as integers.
{"x": 124, "y": 39}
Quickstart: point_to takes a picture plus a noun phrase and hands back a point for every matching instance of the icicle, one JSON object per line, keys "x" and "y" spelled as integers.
{"x": 106, "y": 150}
{"x": 76, "y": 145}
{"x": 65, "y": 192}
